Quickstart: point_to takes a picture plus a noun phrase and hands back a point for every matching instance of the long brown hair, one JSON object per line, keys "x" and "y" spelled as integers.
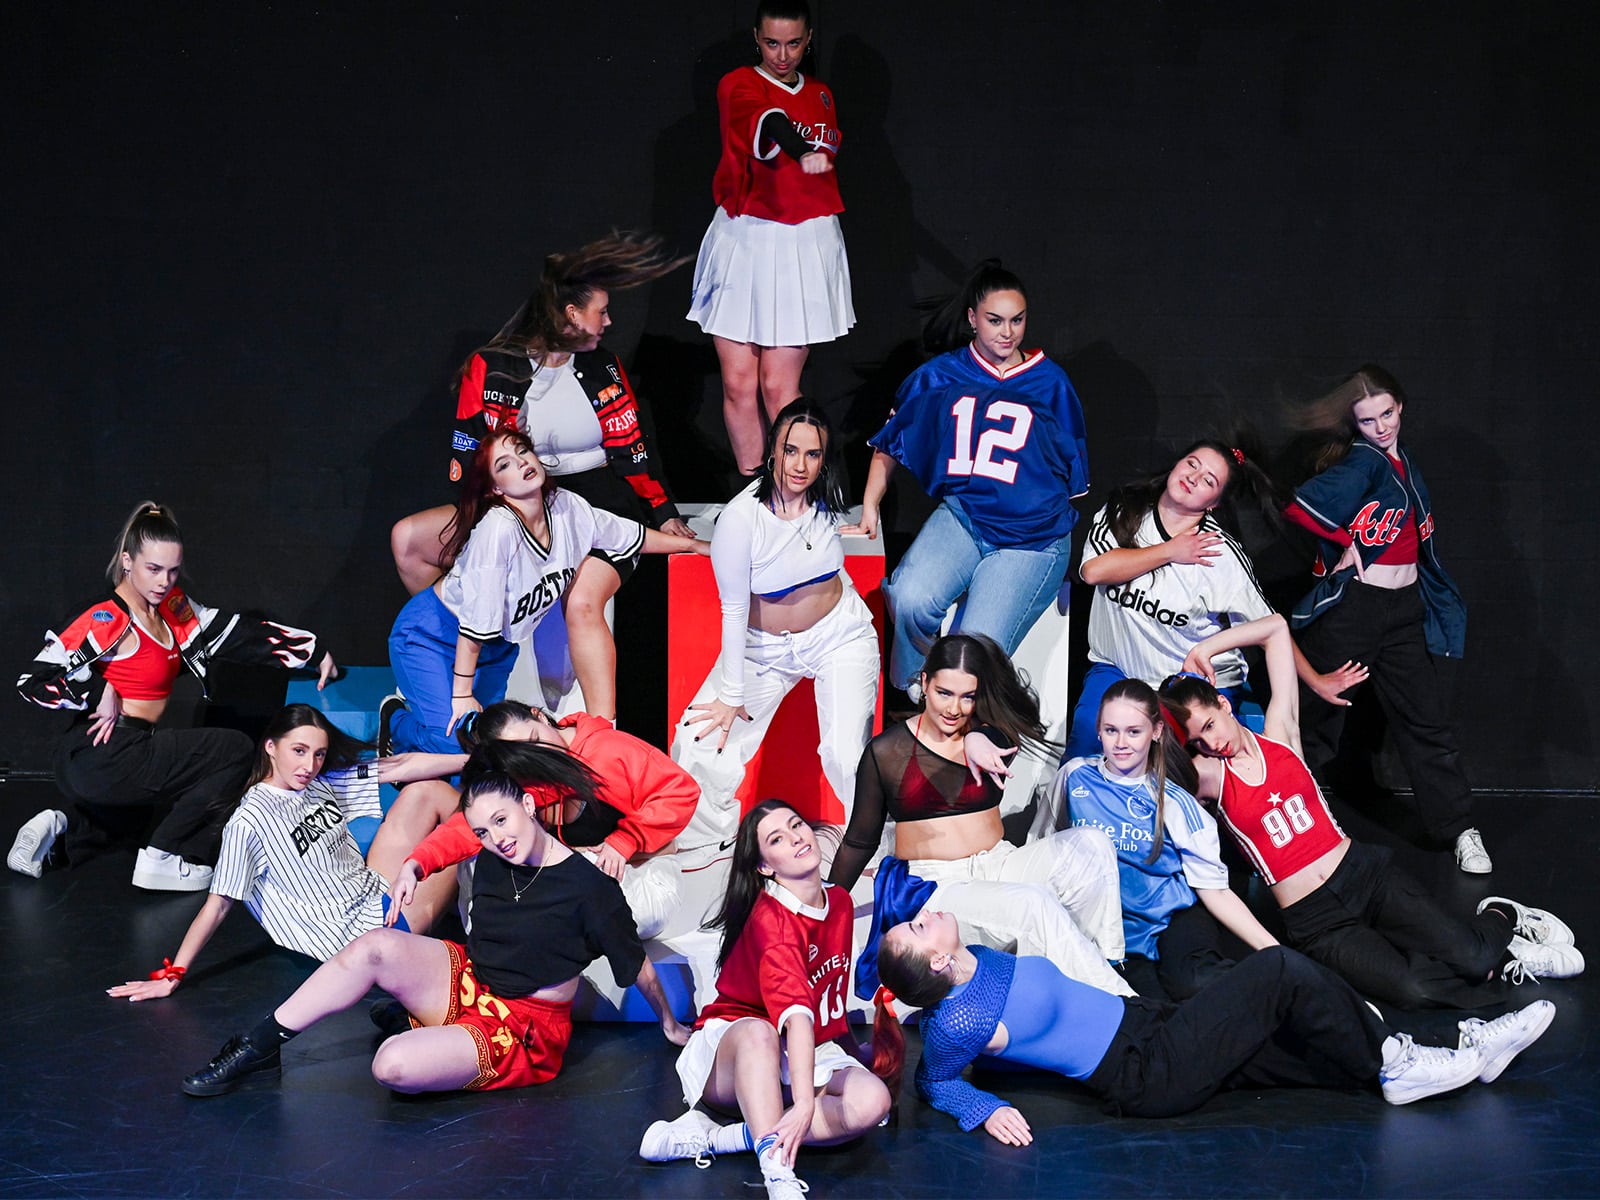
{"x": 614, "y": 263}
{"x": 1004, "y": 700}
{"x": 343, "y": 750}
{"x": 1330, "y": 419}
{"x": 146, "y": 524}
{"x": 1167, "y": 757}
{"x": 1240, "y": 451}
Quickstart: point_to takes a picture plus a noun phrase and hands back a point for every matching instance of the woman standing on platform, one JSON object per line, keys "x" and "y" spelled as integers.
{"x": 546, "y": 374}
{"x": 135, "y": 642}
{"x": 289, "y": 855}
{"x": 938, "y": 775}
{"x": 995, "y": 434}
{"x": 1167, "y": 574}
{"x": 1385, "y": 599}
{"x": 772, "y": 279}
{"x": 1344, "y": 902}
{"x": 494, "y": 1013}
{"x": 778, "y": 1022}
{"x": 789, "y": 612}
{"x": 1168, "y": 851}
{"x": 516, "y": 544}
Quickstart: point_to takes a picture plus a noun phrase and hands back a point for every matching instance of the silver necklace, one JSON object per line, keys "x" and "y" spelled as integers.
{"x": 518, "y": 892}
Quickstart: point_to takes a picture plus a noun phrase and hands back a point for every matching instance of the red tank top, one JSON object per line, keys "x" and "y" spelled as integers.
{"x": 1282, "y": 823}
{"x": 148, "y": 672}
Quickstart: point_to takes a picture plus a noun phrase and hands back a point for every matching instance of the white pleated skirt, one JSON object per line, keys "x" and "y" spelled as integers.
{"x": 773, "y": 284}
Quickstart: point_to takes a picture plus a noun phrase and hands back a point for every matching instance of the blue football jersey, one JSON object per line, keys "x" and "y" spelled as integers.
{"x": 1010, "y": 449}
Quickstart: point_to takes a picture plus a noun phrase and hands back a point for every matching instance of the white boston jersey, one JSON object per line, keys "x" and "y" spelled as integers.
{"x": 1147, "y": 626}
{"x": 504, "y": 582}
{"x": 291, "y": 858}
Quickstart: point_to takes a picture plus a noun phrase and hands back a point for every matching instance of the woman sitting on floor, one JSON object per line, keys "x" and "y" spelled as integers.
{"x": 1344, "y": 902}
{"x": 493, "y": 1013}
{"x": 938, "y": 776}
{"x": 1168, "y": 852}
{"x": 1275, "y": 1020}
{"x": 779, "y": 1014}
{"x": 288, "y": 853}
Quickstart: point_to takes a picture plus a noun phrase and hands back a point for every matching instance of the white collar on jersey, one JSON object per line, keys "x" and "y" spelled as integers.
{"x": 796, "y": 905}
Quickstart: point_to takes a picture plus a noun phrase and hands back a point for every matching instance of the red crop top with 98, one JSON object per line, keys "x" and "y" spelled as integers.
{"x": 1282, "y": 823}
{"x": 147, "y": 673}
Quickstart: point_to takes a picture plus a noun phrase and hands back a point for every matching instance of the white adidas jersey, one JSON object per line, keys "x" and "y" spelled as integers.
{"x": 1147, "y": 626}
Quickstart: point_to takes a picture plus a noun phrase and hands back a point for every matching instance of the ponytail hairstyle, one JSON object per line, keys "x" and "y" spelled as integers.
{"x": 827, "y": 493}
{"x": 1004, "y": 702}
{"x": 1330, "y": 419}
{"x": 946, "y": 327}
{"x": 549, "y": 774}
{"x": 475, "y": 729}
{"x": 1244, "y": 456}
{"x": 1179, "y": 696}
{"x": 745, "y": 881}
{"x": 477, "y": 494}
{"x": 905, "y": 972}
{"x": 613, "y": 264}
{"x": 1167, "y": 760}
{"x": 343, "y": 750}
{"x": 147, "y": 524}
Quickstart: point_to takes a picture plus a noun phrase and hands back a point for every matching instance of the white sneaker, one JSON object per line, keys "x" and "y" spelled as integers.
{"x": 1503, "y": 1038}
{"x": 1533, "y": 960}
{"x": 157, "y": 871}
{"x": 34, "y": 840}
{"x": 689, "y": 1136}
{"x": 1535, "y": 924}
{"x": 780, "y": 1180}
{"x": 1412, "y": 1072}
{"x": 1471, "y": 857}
{"x": 914, "y": 691}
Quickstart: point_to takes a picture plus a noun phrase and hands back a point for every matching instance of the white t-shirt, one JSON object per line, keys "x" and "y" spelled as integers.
{"x": 561, "y": 422}
{"x": 1147, "y": 626}
{"x": 755, "y": 551}
{"x": 503, "y": 582}
{"x": 291, "y": 858}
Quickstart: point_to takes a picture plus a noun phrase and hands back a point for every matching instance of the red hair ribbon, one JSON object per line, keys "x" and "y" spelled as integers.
{"x": 883, "y": 996}
{"x": 1172, "y": 724}
{"x": 168, "y": 971}
{"x": 1238, "y": 455}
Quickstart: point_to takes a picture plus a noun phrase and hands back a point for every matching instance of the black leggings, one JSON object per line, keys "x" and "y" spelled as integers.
{"x": 1276, "y": 1019}
{"x": 192, "y": 778}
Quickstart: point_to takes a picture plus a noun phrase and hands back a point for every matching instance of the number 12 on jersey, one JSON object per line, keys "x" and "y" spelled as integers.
{"x": 989, "y": 461}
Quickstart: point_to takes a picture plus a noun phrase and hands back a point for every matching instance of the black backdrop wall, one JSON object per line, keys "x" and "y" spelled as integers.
{"x": 248, "y": 244}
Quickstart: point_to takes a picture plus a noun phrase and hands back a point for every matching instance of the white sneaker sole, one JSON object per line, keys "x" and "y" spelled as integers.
{"x": 161, "y": 881}
{"x": 31, "y": 848}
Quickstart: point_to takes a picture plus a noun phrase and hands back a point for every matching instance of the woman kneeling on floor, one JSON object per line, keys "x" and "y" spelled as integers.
{"x": 491, "y": 1014}
{"x": 1276, "y": 1020}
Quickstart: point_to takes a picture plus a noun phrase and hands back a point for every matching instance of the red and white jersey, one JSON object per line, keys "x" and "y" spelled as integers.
{"x": 790, "y": 958}
{"x": 503, "y": 582}
{"x": 754, "y": 177}
{"x": 1281, "y": 823}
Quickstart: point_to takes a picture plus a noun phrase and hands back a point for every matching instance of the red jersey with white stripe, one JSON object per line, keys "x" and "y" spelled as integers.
{"x": 1282, "y": 823}
{"x": 754, "y": 177}
{"x": 790, "y": 958}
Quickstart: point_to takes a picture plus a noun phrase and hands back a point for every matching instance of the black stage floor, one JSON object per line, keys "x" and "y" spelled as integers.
{"x": 92, "y": 1108}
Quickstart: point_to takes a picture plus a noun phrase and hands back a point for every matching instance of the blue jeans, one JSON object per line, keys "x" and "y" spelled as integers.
{"x": 1006, "y": 588}
{"x": 422, "y": 654}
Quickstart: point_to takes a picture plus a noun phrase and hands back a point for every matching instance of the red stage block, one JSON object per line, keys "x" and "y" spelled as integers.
{"x": 786, "y": 766}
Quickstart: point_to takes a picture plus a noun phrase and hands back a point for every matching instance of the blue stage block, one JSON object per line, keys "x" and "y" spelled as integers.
{"x": 1251, "y": 716}
{"x": 352, "y": 702}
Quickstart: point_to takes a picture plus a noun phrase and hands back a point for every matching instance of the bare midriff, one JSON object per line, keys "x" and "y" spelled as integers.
{"x": 799, "y": 610}
{"x": 1309, "y": 877}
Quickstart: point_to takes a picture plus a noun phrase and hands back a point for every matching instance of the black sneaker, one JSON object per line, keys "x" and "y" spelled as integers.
{"x": 238, "y": 1059}
{"x": 391, "y": 1017}
{"x": 387, "y": 707}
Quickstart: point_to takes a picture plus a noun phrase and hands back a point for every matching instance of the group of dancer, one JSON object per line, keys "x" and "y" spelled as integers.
{"x": 1112, "y": 950}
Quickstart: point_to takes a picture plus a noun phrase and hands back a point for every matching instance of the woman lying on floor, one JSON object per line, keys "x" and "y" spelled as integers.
{"x": 1277, "y": 1019}
{"x": 491, "y": 1014}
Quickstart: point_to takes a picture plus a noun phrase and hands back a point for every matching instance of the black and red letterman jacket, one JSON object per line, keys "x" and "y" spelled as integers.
{"x": 492, "y": 394}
